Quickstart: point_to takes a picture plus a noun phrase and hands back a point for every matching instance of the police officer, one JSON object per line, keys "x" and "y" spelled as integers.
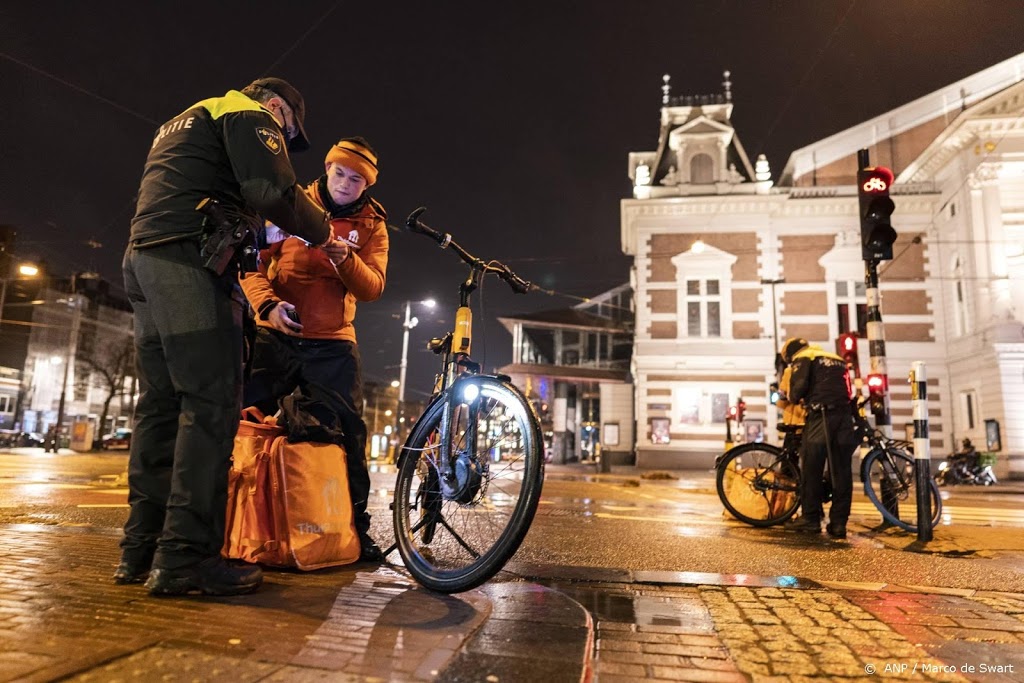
{"x": 188, "y": 322}
{"x": 819, "y": 381}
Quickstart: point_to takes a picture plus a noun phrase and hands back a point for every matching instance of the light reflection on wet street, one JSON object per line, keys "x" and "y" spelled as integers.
{"x": 673, "y": 525}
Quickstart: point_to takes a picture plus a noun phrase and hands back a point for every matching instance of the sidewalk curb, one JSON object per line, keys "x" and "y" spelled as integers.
{"x": 533, "y": 633}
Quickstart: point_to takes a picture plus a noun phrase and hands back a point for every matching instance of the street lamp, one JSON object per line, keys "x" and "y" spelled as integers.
{"x": 775, "y": 306}
{"x": 25, "y": 270}
{"x": 410, "y": 322}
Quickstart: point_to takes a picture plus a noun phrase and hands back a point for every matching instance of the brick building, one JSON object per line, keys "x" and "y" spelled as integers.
{"x": 728, "y": 264}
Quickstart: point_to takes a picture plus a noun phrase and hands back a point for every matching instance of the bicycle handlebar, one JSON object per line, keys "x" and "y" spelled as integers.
{"x": 444, "y": 240}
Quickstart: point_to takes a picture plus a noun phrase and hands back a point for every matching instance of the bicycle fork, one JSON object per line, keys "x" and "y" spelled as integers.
{"x": 458, "y": 466}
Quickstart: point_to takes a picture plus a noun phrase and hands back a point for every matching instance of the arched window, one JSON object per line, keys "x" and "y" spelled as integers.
{"x": 702, "y": 169}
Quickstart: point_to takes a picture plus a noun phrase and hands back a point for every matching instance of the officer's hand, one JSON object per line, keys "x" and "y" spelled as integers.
{"x": 337, "y": 251}
{"x": 280, "y": 321}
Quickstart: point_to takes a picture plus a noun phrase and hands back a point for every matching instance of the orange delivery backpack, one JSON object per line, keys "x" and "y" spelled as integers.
{"x": 288, "y": 503}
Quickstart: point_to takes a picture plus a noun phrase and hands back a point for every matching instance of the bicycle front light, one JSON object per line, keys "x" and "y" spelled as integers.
{"x": 470, "y": 392}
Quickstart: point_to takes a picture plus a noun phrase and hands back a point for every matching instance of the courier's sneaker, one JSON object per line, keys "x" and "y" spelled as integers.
{"x": 212, "y": 576}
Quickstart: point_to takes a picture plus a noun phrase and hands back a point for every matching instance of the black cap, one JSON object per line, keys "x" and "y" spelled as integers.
{"x": 293, "y": 97}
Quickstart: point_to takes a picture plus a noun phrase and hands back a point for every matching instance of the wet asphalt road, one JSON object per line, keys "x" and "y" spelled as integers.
{"x": 619, "y": 521}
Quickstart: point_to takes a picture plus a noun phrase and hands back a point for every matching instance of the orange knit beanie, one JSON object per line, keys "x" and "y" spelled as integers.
{"x": 357, "y": 157}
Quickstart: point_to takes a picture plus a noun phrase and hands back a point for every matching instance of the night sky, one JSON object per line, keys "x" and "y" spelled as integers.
{"x": 511, "y": 122}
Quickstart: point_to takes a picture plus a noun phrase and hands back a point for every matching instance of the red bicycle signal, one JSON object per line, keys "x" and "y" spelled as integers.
{"x": 876, "y": 180}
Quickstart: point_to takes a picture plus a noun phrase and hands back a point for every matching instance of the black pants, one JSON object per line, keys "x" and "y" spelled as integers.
{"x": 327, "y": 370}
{"x": 188, "y": 345}
{"x": 827, "y": 431}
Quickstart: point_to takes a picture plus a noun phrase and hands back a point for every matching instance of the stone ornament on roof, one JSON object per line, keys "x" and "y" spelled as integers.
{"x": 724, "y": 97}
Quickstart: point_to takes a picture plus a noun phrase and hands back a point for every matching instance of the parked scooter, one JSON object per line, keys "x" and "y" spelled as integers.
{"x": 965, "y": 468}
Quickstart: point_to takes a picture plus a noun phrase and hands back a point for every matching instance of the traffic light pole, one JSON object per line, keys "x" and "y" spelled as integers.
{"x": 876, "y": 344}
{"x": 876, "y": 331}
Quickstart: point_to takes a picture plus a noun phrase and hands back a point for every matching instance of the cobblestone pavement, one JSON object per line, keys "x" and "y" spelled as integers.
{"x": 772, "y": 633}
{"x": 62, "y": 619}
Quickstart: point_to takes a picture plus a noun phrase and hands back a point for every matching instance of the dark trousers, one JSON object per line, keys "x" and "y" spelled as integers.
{"x": 328, "y": 371}
{"x": 827, "y": 432}
{"x": 188, "y": 349}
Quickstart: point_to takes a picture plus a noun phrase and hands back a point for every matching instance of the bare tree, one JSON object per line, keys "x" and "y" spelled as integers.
{"x": 111, "y": 365}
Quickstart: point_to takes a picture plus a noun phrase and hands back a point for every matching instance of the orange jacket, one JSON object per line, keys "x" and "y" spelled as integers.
{"x": 325, "y": 298}
{"x": 792, "y": 413}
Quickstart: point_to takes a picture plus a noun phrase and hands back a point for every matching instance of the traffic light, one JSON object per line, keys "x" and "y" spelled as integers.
{"x": 741, "y": 410}
{"x": 876, "y": 232}
{"x": 732, "y": 412}
{"x": 773, "y": 393}
{"x": 846, "y": 347}
{"x": 876, "y": 393}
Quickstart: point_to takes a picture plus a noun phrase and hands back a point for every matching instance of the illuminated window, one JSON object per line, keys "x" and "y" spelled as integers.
{"x": 703, "y": 308}
{"x": 703, "y": 301}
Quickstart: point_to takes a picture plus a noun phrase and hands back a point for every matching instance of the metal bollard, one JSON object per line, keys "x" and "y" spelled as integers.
{"x": 922, "y": 450}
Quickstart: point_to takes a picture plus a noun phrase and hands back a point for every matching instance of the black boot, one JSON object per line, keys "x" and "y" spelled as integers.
{"x": 134, "y": 567}
{"x": 212, "y": 576}
{"x": 369, "y": 551}
{"x": 802, "y": 525}
{"x": 836, "y": 530}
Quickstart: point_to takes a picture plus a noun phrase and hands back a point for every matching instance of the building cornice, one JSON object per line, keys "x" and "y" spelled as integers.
{"x": 956, "y": 139}
{"x": 778, "y": 205}
{"x": 949, "y": 101}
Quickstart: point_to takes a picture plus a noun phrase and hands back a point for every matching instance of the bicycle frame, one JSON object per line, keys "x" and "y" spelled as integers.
{"x": 875, "y": 441}
{"x": 457, "y": 367}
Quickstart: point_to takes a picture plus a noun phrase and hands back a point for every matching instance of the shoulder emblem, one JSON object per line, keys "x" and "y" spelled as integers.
{"x": 271, "y": 139}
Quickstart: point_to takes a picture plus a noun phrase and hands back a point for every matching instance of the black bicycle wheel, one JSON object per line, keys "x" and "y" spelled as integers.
{"x": 758, "y": 484}
{"x": 890, "y": 484}
{"x": 454, "y": 534}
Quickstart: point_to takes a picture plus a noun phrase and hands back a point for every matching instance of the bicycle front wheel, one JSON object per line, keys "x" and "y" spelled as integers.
{"x": 456, "y": 531}
{"x": 758, "y": 484}
{"x": 891, "y": 485}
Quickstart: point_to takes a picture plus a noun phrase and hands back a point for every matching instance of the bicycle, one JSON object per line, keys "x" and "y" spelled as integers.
{"x": 759, "y": 483}
{"x": 889, "y": 476}
{"x": 471, "y": 471}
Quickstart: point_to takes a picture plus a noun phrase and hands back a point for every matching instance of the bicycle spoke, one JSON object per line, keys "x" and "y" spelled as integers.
{"x": 458, "y": 538}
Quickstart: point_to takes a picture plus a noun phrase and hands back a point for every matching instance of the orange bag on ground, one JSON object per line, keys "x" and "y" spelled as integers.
{"x": 288, "y": 504}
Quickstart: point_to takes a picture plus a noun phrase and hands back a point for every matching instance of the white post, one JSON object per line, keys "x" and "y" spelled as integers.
{"x": 922, "y": 449}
